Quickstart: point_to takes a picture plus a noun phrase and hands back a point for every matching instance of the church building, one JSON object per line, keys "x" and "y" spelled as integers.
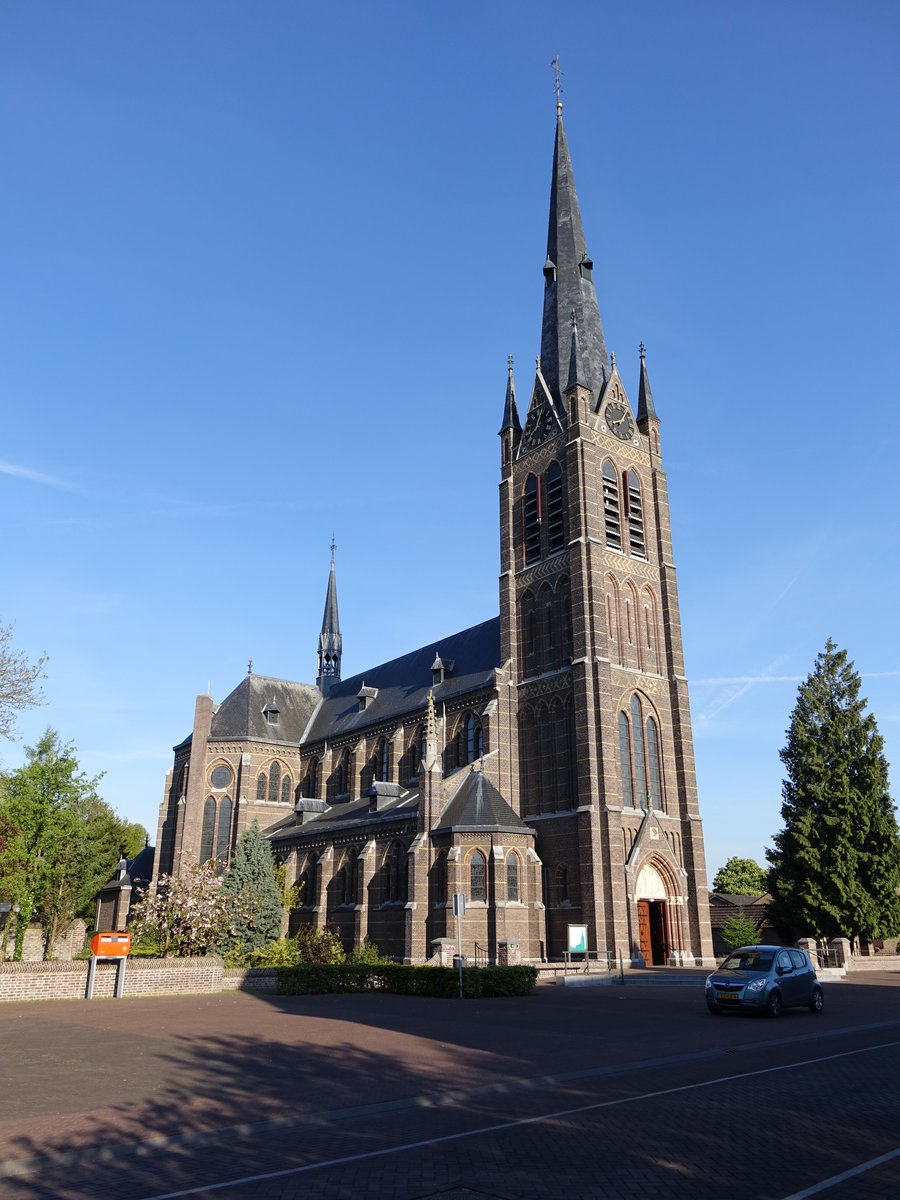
{"x": 540, "y": 763}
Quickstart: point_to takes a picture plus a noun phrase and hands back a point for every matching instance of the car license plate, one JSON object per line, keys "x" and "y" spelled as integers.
{"x": 729, "y": 996}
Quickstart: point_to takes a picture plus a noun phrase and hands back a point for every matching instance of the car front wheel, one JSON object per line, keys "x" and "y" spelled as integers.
{"x": 817, "y": 1003}
{"x": 774, "y": 1005}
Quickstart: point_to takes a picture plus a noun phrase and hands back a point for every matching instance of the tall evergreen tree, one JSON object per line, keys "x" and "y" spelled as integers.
{"x": 252, "y": 877}
{"x": 836, "y": 863}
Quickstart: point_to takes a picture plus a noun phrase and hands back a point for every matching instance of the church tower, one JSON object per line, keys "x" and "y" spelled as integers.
{"x": 329, "y": 661}
{"x": 591, "y": 635}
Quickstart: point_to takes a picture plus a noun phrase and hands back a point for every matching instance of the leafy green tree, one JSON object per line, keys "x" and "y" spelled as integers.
{"x": 836, "y": 863}
{"x": 252, "y": 876}
{"x": 741, "y": 877}
{"x": 740, "y": 931}
{"x": 19, "y": 682}
{"x": 59, "y": 842}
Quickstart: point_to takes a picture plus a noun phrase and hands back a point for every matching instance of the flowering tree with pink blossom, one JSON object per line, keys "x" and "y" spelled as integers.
{"x": 189, "y": 913}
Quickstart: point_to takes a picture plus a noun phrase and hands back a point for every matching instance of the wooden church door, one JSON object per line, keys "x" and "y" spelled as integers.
{"x": 644, "y": 930}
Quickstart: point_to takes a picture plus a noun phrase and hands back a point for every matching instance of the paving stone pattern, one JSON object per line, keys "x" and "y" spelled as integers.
{"x": 651, "y": 1096}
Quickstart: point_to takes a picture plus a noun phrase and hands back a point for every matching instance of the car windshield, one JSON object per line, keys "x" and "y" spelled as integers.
{"x": 748, "y": 960}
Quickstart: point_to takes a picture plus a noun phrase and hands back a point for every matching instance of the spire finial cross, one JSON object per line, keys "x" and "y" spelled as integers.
{"x": 333, "y": 545}
{"x": 510, "y": 364}
{"x": 642, "y": 348}
{"x": 250, "y": 667}
{"x": 557, "y": 87}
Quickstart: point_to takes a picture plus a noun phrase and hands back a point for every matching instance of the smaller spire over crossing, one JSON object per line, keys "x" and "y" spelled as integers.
{"x": 329, "y": 657}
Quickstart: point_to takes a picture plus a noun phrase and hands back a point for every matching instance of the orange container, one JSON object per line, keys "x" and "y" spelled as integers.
{"x": 111, "y": 945}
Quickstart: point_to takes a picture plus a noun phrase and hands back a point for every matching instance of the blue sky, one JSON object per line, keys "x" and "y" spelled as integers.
{"x": 262, "y": 268}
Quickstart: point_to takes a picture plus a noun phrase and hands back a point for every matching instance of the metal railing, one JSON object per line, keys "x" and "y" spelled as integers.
{"x": 482, "y": 956}
{"x": 604, "y": 960}
{"x": 828, "y": 957}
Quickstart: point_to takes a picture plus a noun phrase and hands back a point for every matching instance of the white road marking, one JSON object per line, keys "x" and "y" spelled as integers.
{"x": 504, "y": 1126}
{"x": 851, "y": 1174}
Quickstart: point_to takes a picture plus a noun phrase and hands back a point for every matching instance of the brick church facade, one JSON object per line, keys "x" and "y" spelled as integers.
{"x": 540, "y": 763}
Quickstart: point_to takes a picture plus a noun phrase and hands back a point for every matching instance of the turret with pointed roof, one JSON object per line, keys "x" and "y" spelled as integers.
{"x": 329, "y": 666}
{"x": 645, "y": 411}
{"x": 569, "y": 287}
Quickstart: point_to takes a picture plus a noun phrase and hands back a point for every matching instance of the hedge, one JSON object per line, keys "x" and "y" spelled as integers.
{"x": 405, "y": 980}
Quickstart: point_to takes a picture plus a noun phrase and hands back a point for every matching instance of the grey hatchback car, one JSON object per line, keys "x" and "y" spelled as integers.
{"x": 765, "y": 979}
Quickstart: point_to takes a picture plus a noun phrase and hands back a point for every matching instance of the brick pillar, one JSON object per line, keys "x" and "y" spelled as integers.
{"x": 191, "y": 815}
{"x": 415, "y": 947}
{"x": 366, "y": 866}
{"x": 324, "y": 873}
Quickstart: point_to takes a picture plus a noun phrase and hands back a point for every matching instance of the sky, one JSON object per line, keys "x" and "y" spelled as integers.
{"x": 262, "y": 266}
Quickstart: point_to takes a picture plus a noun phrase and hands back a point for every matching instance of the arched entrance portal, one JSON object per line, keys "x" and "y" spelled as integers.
{"x": 653, "y": 924}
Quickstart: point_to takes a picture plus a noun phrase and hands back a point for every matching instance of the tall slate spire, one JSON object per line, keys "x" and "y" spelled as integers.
{"x": 568, "y": 286}
{"x": 329, "y": 669}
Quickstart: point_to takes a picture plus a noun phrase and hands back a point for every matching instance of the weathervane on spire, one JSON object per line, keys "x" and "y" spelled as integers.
{"x": 557, "y": 87}
{"x": 333, "y": 545}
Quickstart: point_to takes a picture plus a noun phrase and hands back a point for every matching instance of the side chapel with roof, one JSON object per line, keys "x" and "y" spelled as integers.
{"x": 540, "y": 763}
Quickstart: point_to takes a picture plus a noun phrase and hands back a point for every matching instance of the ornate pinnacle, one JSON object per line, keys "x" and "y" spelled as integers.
{"x": 557, "y": 86}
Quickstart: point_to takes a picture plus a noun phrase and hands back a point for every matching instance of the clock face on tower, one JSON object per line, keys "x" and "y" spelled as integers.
{"x": 620, "y": 420}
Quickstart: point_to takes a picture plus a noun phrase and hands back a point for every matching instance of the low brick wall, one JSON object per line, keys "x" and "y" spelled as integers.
{"x": 873, "y": 962}
{"x": 250, "y": 979}
{"x": 143, "y": 977}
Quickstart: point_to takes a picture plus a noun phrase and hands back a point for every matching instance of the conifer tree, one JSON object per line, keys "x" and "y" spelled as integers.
{"x": 836, "y": 863}
{"x": 252, "y": 877}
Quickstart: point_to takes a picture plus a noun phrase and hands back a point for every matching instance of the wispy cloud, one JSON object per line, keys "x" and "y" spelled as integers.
{"x": 31, "y": 476}
{"x": 733, "y": 689}
{"x": 749, "y": 680}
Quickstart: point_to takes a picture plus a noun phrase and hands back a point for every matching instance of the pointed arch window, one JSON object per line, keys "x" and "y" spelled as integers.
{"x": 274, "y": 782}
{"x": 341, "y": 776}
{"x": 635, "y": 516}
{"x": 512, "y": 877}
{"x": 653, "y": 763}
{"x": 350, "y": 875}
{"x": 531, "y": 520}
{"x": 478, "y": 877}
{"x": 414, "y": 755}
{"x": 612, "y": 518}
{"x": 474, "y": 739}
{"x": 625, "y": 760}
{"x": 556, "y": 535}
{"x": 285, "y": 789}
{"x": 308, "y": 883}
{"x": 261, "y": 785}
{"x": 223, "y": 833}
{"x": 640, "y": 768}
{"x": 208, "y": 830}
{"x": 311, "y": 782}
{"x": 381, "y": 761}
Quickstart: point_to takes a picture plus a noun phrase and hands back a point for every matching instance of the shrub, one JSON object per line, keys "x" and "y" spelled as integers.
{"x": 308, "y": 946}
{"x": 405, "y": 980}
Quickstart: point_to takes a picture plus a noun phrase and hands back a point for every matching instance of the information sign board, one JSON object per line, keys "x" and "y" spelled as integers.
{"x": 577, "y": 939}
